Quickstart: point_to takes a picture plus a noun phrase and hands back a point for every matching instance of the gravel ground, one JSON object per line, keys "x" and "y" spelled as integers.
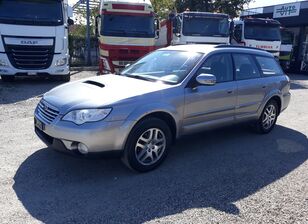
{"x": 225, "y": 176}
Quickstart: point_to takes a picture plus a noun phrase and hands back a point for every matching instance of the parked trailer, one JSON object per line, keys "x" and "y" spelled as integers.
{"x": 259, "y": 33}
{"x": 127, "y": 30}
{"x": 34, "y": 38}
{"x": 201, "y": 28}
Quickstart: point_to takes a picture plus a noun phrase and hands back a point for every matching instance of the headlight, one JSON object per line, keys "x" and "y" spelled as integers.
{"x": 3, "y": 63}
{"x": 61, "y": 62}
{"x": 86, "y": 115}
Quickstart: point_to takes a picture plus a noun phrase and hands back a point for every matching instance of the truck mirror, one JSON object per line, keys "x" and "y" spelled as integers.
{"x": 69, "y": 11}
{"x": 96, "y": 25}
{"x": 70, "y": 22}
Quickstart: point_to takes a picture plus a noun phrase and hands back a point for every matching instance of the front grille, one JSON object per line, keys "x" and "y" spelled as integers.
{"x": 30, "y": 57}
{"x": 46, "y": 112}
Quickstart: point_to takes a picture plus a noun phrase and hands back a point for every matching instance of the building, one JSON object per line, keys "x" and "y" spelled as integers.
{"x": 293, "y": 16}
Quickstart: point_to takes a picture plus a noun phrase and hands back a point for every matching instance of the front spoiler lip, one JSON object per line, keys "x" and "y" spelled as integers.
{"x": 58, "y": 145}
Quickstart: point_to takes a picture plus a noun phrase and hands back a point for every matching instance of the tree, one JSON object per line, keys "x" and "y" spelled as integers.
{"x": 231, "y": 7}
{"x": 163, "y": 7}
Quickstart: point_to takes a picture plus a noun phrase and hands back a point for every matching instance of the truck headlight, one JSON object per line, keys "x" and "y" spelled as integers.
{"x": 3, "y": 63}
{"x": 61, "y": 62}
{"x": 86, "y": 115}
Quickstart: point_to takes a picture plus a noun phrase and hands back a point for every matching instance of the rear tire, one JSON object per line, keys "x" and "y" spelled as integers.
{"x": 268, "y": 118}
{"x": 7, "y": 78}
{"x": 147, "y": 145}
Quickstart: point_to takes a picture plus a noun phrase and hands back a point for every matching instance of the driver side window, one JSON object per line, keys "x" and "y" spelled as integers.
{"x": 219, "y": 65}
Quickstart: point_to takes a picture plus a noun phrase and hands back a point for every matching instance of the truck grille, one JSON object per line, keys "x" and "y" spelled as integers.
{"x": 46, "y": 112}
{"x": 30, "y": 57}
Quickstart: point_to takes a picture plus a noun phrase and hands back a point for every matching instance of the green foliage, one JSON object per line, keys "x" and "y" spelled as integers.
{"x": 163, "y": 7}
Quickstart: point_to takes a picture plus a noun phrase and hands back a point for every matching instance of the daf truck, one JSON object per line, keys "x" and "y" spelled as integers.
{"x": 258, "y": 33}
{"x": 201, "y": 28}
{"x": 34, "y": 38}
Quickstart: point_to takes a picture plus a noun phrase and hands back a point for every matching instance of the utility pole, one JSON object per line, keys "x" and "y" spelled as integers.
{"x": 88, "y": 41}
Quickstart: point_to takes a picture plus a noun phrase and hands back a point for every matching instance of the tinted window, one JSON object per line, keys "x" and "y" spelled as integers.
{"x": 128, "y": 26}
{"x": 245, "y": 67}
{"x": 219, "y": 65}
{"x": 31, "y": 12}
{"x": 199, "y": 25}
{"x": 269, "y": 66}
{"x": 262, "y": 32}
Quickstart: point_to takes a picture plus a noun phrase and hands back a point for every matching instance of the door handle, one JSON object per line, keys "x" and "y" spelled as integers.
{"x": 230, "y": 91}
{"x": 263, "y": 87}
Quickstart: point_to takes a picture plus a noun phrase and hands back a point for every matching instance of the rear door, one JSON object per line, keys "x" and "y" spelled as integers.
{"x": 251, "y": 87}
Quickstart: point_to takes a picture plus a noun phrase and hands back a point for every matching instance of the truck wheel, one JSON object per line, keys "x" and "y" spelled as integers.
{"x": 7, "y": 78}
{"x": 63, "y": 78}
{"x": 147, "y": 145}
{"x": 268, "y": 118}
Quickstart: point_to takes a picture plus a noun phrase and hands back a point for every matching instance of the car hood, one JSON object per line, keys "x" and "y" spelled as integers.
{"x": 100, "y": 91}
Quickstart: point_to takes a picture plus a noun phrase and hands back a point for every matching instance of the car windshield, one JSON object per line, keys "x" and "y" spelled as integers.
{"x": 199, "y": 25}
{"x": 164, "y": 65}
{"x": 128, "y": 26}
{"x": 262, "y": 32}
{"x": 31, "y": 12}
{"x": 286, "y": 37}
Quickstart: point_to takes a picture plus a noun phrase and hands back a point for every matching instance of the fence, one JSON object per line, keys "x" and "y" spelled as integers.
{"x": 78, "y": 52}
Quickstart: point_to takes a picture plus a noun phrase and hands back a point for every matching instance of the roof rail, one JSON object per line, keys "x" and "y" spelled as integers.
{"x": 238, "y": 46}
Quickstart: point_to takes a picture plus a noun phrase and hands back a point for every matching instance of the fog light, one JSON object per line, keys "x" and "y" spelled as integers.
{"x": 3, "y": 63}
{"x": 61, "y": 62}
{"x": 82, "y": 148}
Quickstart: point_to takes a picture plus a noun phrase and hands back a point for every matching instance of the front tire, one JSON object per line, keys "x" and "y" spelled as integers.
{"x": 268, "y": 118}
{"x": 147, "y": 145}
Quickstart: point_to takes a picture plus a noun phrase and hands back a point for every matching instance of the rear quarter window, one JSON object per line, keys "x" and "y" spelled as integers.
{"x": 269, "y": 66}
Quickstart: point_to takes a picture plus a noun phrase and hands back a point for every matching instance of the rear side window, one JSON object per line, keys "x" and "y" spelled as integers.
{"x": 269, "y": 66}
{"x": 245, "y": 67}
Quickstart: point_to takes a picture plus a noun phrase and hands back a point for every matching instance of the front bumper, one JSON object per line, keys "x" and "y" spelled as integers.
{"x": 9, "y": 69}
{"x": 99, "y": 137}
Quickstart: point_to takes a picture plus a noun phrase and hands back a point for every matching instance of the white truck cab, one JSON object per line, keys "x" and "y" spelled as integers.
{"x": 201, "y": 28}
{"x": 258, "y": 33}
{"x": 34, "y": 38}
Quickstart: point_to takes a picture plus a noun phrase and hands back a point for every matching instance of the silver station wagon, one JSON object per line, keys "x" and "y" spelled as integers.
{"x": 169, "y": 93}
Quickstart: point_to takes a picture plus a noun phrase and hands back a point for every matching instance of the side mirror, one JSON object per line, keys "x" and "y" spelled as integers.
{"x": 70, "y": 22}
{"x": 206, "y": 79}
{"x": 96, "y": 25}
{"x": 69, "y": 11}
{"x": 157, "y": 28}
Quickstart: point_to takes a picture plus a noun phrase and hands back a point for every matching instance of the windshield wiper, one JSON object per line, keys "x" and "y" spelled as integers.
{"x": 141, "y": 77}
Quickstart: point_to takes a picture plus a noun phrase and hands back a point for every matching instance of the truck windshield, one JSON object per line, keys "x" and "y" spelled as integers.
{"x": 286, "y": 37}
{"x": 128, "y": 26}
{"x": 31, "y": 12}
{"x": 262, "y": 32}
{"x": 195, "y": 25}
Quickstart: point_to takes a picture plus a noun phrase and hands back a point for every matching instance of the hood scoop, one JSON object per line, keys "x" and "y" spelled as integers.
{"x": 98, "y": 84}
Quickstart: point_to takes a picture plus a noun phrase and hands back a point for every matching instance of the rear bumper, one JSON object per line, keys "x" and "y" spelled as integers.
{"x": 285, "y": 101}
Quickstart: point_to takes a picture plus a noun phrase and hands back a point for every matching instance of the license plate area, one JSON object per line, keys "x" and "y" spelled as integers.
{"x": 40, "y": 125}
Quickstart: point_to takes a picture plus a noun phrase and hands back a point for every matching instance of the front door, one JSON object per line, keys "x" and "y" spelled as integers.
{"x": 208, "y": 106}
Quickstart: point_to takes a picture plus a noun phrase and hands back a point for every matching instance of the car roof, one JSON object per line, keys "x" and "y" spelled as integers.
{"x": 209, "y": 48}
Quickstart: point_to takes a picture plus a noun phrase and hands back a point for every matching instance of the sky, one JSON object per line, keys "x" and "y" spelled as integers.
{"x": 254, "y": 4}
